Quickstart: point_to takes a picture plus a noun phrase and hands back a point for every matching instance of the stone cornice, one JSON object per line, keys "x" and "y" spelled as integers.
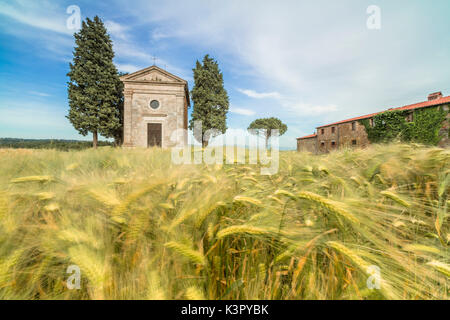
{"x": 180, "y": 84}
{"x": 145, "y": 114}
{"x": 150, "y": 91}
{"x": 129, "y": 77}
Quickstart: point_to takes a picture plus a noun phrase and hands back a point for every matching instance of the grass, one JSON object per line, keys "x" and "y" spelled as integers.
{"x": 139, "y": 227}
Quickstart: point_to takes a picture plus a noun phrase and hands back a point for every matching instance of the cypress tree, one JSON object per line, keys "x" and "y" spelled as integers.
{"x": 94, "y": 89}
{"x": 210, "y": 99}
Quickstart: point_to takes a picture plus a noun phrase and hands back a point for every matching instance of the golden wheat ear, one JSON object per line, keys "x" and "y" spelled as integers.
{"x": 192, "y": 255}
{"x": 332, "y": 206}
{"x": 33, "y": 179}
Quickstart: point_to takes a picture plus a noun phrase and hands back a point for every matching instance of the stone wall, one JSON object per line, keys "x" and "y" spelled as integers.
{"x": 307, "y": 145}
{"x": 347, "y": 134}
{"x": 326, "y": 136}
{"x": 171, "y": 113}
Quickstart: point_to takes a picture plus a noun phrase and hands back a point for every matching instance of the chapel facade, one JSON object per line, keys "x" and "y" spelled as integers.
{"x": 155, "y": 109}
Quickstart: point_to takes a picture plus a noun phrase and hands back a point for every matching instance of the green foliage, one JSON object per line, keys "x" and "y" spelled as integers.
{"x": 210, "y": 100}
{"x": 63, "y": 145}
{"x": 392, "y": 125}
{"x": 94, "y": 89}
{"x": 140, "y": 227}
{"x": 388, "y": 126}
{"x": 265, "y": 125}
{"x": 117, "y": 133}
{"x": 426, "y": 126}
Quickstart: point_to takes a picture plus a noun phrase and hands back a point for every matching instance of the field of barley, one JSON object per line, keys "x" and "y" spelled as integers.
{"x": 140, "y": 227}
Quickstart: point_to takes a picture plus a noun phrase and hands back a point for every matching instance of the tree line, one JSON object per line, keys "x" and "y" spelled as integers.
{"x": 63, "y": 145}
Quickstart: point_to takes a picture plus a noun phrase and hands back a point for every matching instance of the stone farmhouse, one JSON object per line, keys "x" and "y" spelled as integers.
{"x": 351, "y": 133}
{"x": 156, "y": 106}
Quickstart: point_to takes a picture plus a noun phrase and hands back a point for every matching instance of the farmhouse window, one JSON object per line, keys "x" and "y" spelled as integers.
{"x": 410, "y": 117}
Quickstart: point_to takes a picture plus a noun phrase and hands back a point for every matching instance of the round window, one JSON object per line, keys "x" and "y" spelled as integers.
{"x": 154, "y": 104}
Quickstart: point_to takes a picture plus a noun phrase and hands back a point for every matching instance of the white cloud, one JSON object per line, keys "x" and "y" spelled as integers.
{"x": 306, "y": 109}
{"x": 126, "y": 49}
{"x": 116, "y": 29}
{"x": 37, "y": 14}
{"x": 157, "y": 34}
{"x": 314, "y": 52}
{"x": 242, "y": 111}
{"x": 41, "y": 94}
{"x": 129, "y": 68}
{"x": 55, "y": 38}
{"x": 49, "y": 36}
{"x": 259, "y": 95}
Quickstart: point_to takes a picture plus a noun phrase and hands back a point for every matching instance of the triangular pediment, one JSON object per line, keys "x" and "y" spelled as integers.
{"x": 152, "y": 74}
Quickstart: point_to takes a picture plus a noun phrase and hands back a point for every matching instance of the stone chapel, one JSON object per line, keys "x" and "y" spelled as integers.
{"x": 155, "y": 108}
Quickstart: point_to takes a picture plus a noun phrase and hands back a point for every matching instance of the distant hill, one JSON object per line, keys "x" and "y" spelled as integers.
{"x": 63, "y": 145}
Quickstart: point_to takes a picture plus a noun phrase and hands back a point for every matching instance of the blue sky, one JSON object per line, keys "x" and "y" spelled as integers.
{"x": 306, "y": 62}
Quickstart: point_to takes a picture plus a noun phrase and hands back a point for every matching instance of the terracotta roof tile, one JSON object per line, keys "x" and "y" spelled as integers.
{"x": 307, "y": 137}
{"x": 424, "y": 104}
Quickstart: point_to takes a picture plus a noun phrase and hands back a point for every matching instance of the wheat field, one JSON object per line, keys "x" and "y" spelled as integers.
{"x": 139, "y": 227}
